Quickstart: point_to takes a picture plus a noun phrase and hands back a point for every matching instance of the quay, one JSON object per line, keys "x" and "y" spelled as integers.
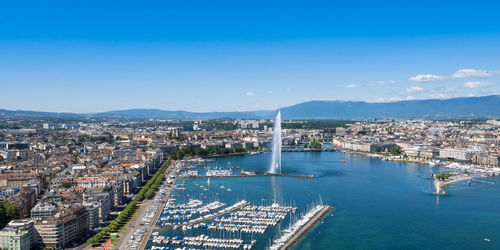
{"x": 252, "y": 175}
{"x": 304, "y": 229}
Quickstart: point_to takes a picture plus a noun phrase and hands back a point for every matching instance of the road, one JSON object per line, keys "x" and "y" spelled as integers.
{"x": 152, "y": 226}
{"x": 125, "y": 236}
{"x": 134, "y": 223}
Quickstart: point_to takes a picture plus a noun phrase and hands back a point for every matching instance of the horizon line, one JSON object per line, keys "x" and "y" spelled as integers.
{"x": 241, "y": 111}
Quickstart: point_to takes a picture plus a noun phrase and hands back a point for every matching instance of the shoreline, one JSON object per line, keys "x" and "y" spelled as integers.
{"x": 261, "y": 152}
{"x": 471, "y": 168}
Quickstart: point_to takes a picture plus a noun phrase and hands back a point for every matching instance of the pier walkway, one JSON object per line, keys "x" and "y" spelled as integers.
{"x": 210, "y": 217}
{"x": 302, "y": 231}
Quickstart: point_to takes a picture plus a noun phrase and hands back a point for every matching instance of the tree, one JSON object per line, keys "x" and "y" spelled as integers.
{"x": 12, "y": 211}
{"x": 66, "y": 185}
{"x": 443, "y": 176}
{"x": 8, "y": 212}
{"x": 127, "y": 214}
{"x": 315, "y": 145}
{"x": 395, "y": 151}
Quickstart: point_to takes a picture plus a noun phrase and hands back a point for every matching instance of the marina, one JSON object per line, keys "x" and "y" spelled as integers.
{"x": 237, "y": 220}
{"x": 340, "y": 183}
{"x": 241, "y": 219}
{"x": 202, "y": 241}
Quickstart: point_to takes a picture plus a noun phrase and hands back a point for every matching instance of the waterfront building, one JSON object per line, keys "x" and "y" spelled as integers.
{"x": 455, "y": 154}
{"x": 491, "y": 160}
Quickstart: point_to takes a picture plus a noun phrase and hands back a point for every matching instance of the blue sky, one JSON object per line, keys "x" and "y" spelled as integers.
{"x": 89, "y": 56}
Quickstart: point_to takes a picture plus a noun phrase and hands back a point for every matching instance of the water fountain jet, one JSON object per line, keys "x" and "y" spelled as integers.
{"x": 275, "y": 167}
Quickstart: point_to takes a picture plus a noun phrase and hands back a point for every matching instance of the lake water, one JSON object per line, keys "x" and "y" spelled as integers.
{"x": 378, "y": 204}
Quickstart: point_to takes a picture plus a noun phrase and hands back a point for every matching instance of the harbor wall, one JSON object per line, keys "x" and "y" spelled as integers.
{"x": 306, "y": 228}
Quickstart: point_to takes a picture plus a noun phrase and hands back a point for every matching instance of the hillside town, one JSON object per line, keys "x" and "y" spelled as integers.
{"x": 63, "y": 181}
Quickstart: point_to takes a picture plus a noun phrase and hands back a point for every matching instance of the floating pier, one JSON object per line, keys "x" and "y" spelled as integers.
{"x": 222, "y": 212}
{"x": 241, "y": 204}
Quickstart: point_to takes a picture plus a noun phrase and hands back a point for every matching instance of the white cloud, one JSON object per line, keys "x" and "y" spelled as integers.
{"x": 461, "y": 73}
{"x": 414, "y": 89}
{"x": 477, "y": 84}
{"x": 250, "y": 93}
{"x": 391, "y": 99}
{"x": 256, "y": 106}
{"x": 288, "y": 89}
{"x": 270, "y": 92}
{"x": 426, "y": 78}
{"x": 439, "y": 96}
{"x": 350, "y": 86}
{"x": 381, "y": 83}
{"x": 408, "y": 98}
{"x": 471, "y": 73}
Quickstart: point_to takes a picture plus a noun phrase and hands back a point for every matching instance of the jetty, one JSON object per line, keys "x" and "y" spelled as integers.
{"x": 251, "y": 175}
{"x": 295, "y": 232}
{"x": 441, "y": 185}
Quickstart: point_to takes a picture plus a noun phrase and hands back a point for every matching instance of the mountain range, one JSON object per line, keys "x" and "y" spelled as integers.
{"x": 462, "y": 107}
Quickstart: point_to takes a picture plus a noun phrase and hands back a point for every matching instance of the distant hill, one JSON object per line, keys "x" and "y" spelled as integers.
{"x": 486, "y": 106}
{"x": 164, "y": 114}
{"x": 463, "y": 107}
{"x": 26, "y": 114}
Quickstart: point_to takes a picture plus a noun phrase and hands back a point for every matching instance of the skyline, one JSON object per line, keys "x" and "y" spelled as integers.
{"x": 98, "y": 57}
